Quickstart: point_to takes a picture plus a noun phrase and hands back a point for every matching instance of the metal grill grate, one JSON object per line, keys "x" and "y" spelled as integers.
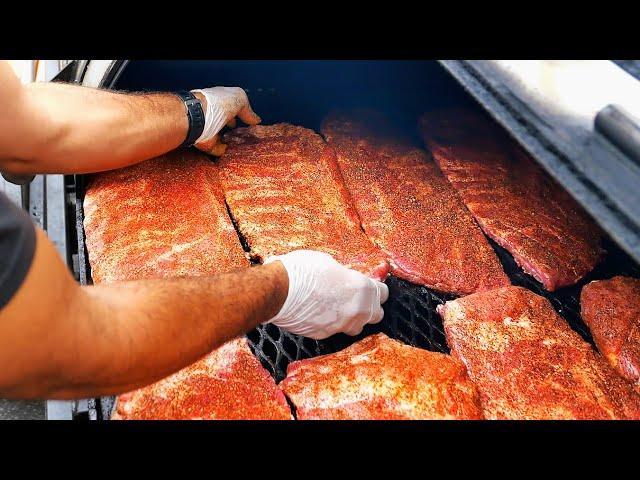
{"x": 410, "y": 316}
{"x": 410, "y": 312}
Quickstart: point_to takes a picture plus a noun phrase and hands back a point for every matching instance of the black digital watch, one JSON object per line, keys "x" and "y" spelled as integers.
{"x": 195, "y": 115}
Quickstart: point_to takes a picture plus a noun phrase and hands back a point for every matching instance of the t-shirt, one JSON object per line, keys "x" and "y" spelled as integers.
{"x": 17, "y": 247}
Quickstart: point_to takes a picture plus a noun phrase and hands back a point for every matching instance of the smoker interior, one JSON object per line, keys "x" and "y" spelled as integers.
{"x": 302, "y": 92}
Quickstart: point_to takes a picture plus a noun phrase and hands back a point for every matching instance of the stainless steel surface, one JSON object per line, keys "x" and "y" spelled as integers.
{"x": 54, "y": 216}
{"x": 621, "y": 129}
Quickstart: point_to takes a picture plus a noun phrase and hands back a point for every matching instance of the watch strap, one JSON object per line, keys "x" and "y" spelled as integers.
{"x": 195, "y": 115}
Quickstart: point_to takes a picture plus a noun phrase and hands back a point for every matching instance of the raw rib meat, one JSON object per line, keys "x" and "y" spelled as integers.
{"x": 161, "y": 218}
{"x": 166, "y": 218}
{"x": 527, "y": 362}
{"x": 611, "y": 309}
{"x": 381, "y": 379}
{"x": 515, "y": 202}
{"x": 284, "y": 189}
{"x": 409, "y": 209}
{"x": 227, "y": 384}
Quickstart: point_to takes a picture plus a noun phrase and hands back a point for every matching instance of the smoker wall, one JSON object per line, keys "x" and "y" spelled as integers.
{"x": 303, "y": 91}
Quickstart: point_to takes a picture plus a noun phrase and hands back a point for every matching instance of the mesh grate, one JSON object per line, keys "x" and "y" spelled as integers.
{"x": 410, "y": 312}
{"x": 409, "y": 315}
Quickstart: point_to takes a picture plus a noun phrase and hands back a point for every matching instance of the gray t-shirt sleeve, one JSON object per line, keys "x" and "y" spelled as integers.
{"x": 17, "y": 247}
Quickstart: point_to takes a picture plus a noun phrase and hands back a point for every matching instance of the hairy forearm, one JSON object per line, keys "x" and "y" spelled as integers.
{"x": 72, "y": 129}
{"x": 135, "y": 333}
{"x": 61, "y": 340}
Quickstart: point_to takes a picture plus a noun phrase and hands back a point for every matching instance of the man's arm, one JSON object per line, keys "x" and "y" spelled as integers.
{"x": 59, "y": 128}
{"x": 61, "y": 340}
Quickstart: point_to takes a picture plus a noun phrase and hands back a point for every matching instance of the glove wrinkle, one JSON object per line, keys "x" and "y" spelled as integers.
{"x": 222, "y": 106}
{"x": 325, "y": 297}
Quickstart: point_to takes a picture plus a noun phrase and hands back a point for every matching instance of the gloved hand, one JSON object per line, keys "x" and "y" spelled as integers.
{"x": 221, "y": 106}
{"x": 325, "y": 297}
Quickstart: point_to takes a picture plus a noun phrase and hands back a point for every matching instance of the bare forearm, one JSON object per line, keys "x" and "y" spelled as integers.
{"x": 68, "y": 128}
{"x": 138, "y": 332}
{"x": 60, "y": 340}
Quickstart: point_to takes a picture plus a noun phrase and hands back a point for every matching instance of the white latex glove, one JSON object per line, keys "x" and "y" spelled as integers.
{"x": 223, "y": 104}
{"x": 326, "y": 298}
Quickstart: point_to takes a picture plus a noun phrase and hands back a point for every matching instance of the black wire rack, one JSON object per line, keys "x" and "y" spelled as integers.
{"x": 410, "y": 312}
{"x": 409, "y": 315}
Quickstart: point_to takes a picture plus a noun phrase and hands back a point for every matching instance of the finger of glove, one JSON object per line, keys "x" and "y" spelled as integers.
{"x": 213, "y": 146}
{"x": 355, "y": 329}
{"x": 377, "y": 316}
{"x": 311, "y": 329}
{"x": 271, "y": 259}
{"x": 383, "y": 291}
{"x": 248, "y": 116}
{"x": 311, "y": 257}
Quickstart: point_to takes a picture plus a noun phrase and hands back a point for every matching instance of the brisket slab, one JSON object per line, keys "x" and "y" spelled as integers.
{"x": 381, "y": 379}
{"x": 409, "y": 209}
{"x": 527, "y": 362}
{"x": 515, "y": 202}
{"x": 166, "y": 218}
{"x": 285, "y": 192}
{"x": 611, "y": 309}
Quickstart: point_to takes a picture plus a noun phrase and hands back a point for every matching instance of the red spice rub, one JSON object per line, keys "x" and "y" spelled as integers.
{"x": 611, "y": 309}
{"x": 161, "y": 218}
{"x": 527, "y": 362}
{"x": 515, "y": 202}
{"x": 166, "y": 218}
{"x": 409, "y": 209}
{"x": 381, "y": 379}
{"x": 284, "y": 189}
{"x": 227, "y": 384}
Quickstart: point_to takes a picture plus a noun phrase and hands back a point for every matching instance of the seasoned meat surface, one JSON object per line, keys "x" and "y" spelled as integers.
{"x": 166, "y": 218}
{"x": 381, "y": 378}
{"x": 611, "y": 309}
{"x": 409, "y": 209}
{"x": 513, "y": 200}
{"x": 227, "y": 384}
{"x": 285, "y": 192}
{"x": 161, "y": 218}
{"x": 527, "y": 362}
